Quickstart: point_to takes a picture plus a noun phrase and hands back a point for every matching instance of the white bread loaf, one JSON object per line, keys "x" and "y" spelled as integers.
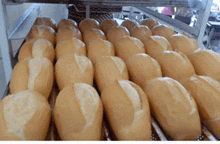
{"x": 92, "y": 34}
{"x": 174, "y": 108}
{"x": 163, "y": 30}
{"x": 108, "y": 69}
{"x": 33, "y": 74}
{"x": 206, "y": 92}
{"x": 87, "y": 24}
{"x": 140, "y": 32}
{"x": 150, "y": 23}
{"x": 24, "y": 116}
{"x": 68, "y": 46}
{"x": 142, "y": 68}
{"x": 116, "y": 33}
{"x": 127, "y": 109}
{"x": 183, "y": 43}
{"x": 46, "y": 21}
{"x": 128, "y": 46}
{"x": 154, "y": 45}
{"x": 129, "y": 24}
{"x": 99, "y": 48}
{"x": 206, "y": 63}
{"x": 68, "y": 32}
{"x": 107, "y": 24}
{"x": 73, "y": 68}
{"x": 175, "y": 65}
{"x": 78, "y": 113}
{"x": 42, "y": 32}
{"x": 67, "y": 22}
{"x": 38, "y": 48}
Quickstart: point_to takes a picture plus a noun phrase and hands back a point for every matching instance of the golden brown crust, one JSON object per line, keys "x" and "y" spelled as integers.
{"x": 163, "y": 30}
{"x": 87, "y": 24}
{"x": 129, "y": 24}
{"x": 140, "y": 32}
{"x": 68, "y": 32}
{"x": 67, "y": 22}
{"x": 150, "y": 23}
{"x": 25, "y": 51}
{"x": 107, "y": 25}
{"x": 92, "y": 34}
{"x": 46, "y": 21}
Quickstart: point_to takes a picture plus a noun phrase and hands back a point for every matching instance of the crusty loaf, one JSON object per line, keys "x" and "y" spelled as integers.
{"x": 108, "y": 69}
{"x": 92, "y": 34}
{"x": 175, "y": 65}
{"x": 183, "y": 43}
{"x": 68, "y": 32}
{"x": 33, "y": 74}
{"x": 87, "y": 24}
{"x": 38, "y": 48}
{"x": 127, "y": 109}
{"x": 150, "y": 23}
{"x": 163, "y": 30}
{"x": 140, "y": 32}
{"x": 68, "y": 46}
{"x": 129, "y": 24}
{"x": 42, "y": 32}
{"x": 78, "y": 113}
{"x": 73, "y": 68}
{"x": 206, "y": 63}
{"x": 206, "y": 92}
{"x": 142, "y": 68}
{"x": 116, "y": 33}
{"x": 174, "y": 108}
{"x": 127, "y": 46}
{"x": 24, "y": 116}
{"x": 99, "y": 48}
{"x": 154, "y": 45}
{"x": 67, "y": 22}
{"x": 46, "y": 21}
{"x": 107, "y": 24}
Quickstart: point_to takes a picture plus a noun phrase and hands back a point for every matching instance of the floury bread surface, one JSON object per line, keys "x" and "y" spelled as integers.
{"x": 127, "y": 109}
{"x": 140, "y": 32}
{"x": 72, "y": 45}
{"x": 92, "y": 34}
{"x": 33, "y": 74}
{"x": 108, "y": 69}
{"x": 78, "y": 113}
{"x": 206, "y": 92}
{"x": 129, "y": 24}
{"x": 67, "y": 22}
{"x": 107, "y": 25}
{"x": 68, "y": 32}
{"x": 24, "y": 116}
{"x": 37, "y": 48}
{"x": 163, "y": 30}
{"x": 174, "y": 108}
{"x": 99, "y": 48}
{"x": 73, "y": 68}
{"x": 87, "y": 24}
{"x": 42, "y": 32}
{"x": 46, "y": 21}
{"x": 142, "y": 68}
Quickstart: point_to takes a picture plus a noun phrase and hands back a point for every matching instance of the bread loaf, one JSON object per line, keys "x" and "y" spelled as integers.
{"x": 143, "y": 68}
{"x": 38, "y": 48}
{"x": 116, "y": 33}
{"x": 129, "y": 24}
{"x": 73, "y": 68}
{"x": 78, "y": 113}
{"x": 42, "y": 32}
{"x": 108, "y": 69}
{"x": 99, "y": 48}
{"x": 163, "y": 30}
{"x": 206, "y": 92}
{"x": 92, "y": 34}
{"x": 87, "y": 24}
{"x": 154, "y": 45}
{"x": 127, "y": 109}
{"x": 67, "y": 22}
{"x": 107, "y": 24}
{"x": 127, "y": 46}
{"x": 46, "y": 21}
{"x": 140, "y": 32}
{"x": 150, "y": 23}
{"x": 183, "y": 43}
{"x": 68, "y": 46}
{"x": 24, "y": 116}
{"x": 68, "y": 32}
{"x": 175, "y": 65}
{"x": 33, "y": 74}
{"x": 206, "y": 63}
{"x": 174, "y": 108}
